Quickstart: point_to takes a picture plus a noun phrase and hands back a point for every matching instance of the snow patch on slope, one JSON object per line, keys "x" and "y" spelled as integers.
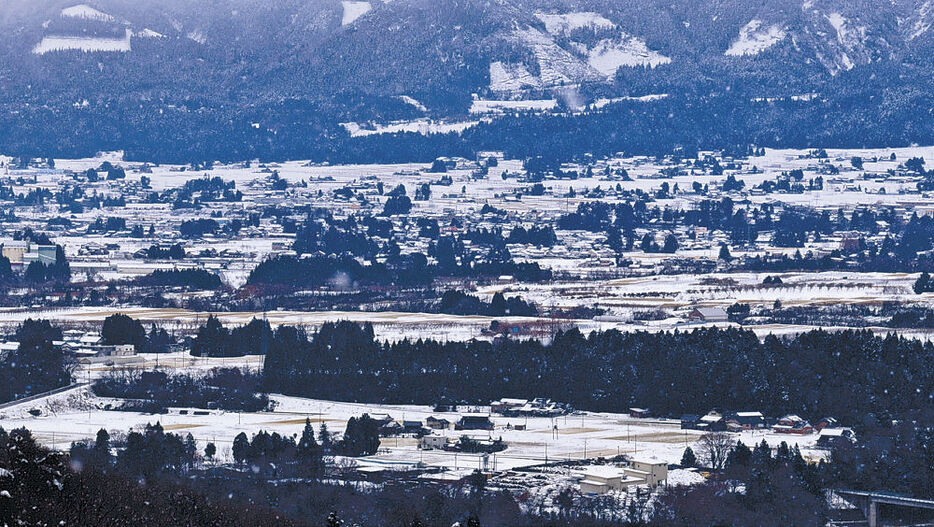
{"x": 924, "y": 21}
{"x": 500, "y": 107}
{"x": 354, "y": 10}
{"x": 610, "y": 55}
{"x": 557, "y": 66}
{"x": 839, "y": 24}
{"x": 511, "y": 77}
{"x": 565, "y": 23}
{"x": 412, "y": 102}
{"x": 754, "y": 39}
{"x": 148, "y": 33}
{"x": 86, "y": 44}
{"x": 197, "y": 36}
{"x": 607, "y": 55}
{"x": 86, "y": 12}
{"x": 601, "y": 103}
{"x": 418, "y": 126}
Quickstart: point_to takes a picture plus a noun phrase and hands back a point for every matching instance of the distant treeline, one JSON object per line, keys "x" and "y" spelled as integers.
{"x": 458, "y": 303}
{"x": 192, "y": 278}
{"x": 411, "y": 270}
{"x": 222, "y": 131}
{"x": 37, "y": 365}
{"x": 854, "y": 376}
{"x": 153, "y": 391}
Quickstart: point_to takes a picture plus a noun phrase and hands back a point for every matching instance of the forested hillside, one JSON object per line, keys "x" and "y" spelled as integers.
{"x": 275, "y": 80}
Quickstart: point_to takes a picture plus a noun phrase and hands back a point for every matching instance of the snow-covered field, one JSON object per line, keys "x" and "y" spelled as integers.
{"x": 77, "y": 415}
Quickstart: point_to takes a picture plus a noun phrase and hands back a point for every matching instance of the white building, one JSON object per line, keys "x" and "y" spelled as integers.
{"x": 601, "y": 479}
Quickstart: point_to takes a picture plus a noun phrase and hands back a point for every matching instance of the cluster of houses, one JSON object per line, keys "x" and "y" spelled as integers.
{"x": 88, "y": 347}
{"x": 718, "y": 420}
{"x": 91, "y": 345}
{"x": 430, "y": 432}
{"x": 388, "y": 426}
{"x": 539, "y": 407}
{"x": 828, "y": 429}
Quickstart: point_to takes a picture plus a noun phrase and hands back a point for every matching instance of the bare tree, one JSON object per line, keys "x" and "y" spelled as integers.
{"x": 714, "y": 448}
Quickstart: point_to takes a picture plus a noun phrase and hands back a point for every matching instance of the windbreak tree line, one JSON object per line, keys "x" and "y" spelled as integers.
{"x": 858, "y": 377}
{"x": 412, "y": 270}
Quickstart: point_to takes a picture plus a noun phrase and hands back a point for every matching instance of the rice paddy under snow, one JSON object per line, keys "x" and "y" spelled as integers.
{"x": 77, "y": 415}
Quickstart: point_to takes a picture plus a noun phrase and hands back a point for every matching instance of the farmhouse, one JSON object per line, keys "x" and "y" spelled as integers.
{"x": 87, "y": 346}
{"x": 826, "y": 422}
{"x": 437, "y": 423}
{"x": 503, "y": 406}
{"x": 828, "y": 437}
{"x": 690, "y": 421}
{"x": 602, "y": 479}
{"x": 474, "y": 422}
{"x": 412, "y": 427}
{"x": 714, "y": 421}
{"x": 737, "y": 421}
{"x": 539, "y": 407}
{"x": 792, "y": 424}
{"x": 640, "y": 413}
{"x": 8, "y": 347}
{"x": 708, "y": 314}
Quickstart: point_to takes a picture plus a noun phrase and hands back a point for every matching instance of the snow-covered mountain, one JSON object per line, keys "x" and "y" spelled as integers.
{"x": 345, "y": 54}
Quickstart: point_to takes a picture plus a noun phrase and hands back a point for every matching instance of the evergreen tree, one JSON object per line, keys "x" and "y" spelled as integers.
{"x": 191, "y": 450}
{"x": 740, "y": 455}
{"x": 210, "y": 451}
{"x": 724, "y": 253}
{"x": 308, "y": 451}
{"x": 121, "y": 329}
{"x": 241, "y": 448}
{"x": 671, "y": 244}
{"x": 211, "y": 340}
{"x": 923, "y": 283}
{"x": 688, "y": 459}
{"x": 324, "y": 437}
{"x": 648, "y": 243}
{"x": 102, "y": 441}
